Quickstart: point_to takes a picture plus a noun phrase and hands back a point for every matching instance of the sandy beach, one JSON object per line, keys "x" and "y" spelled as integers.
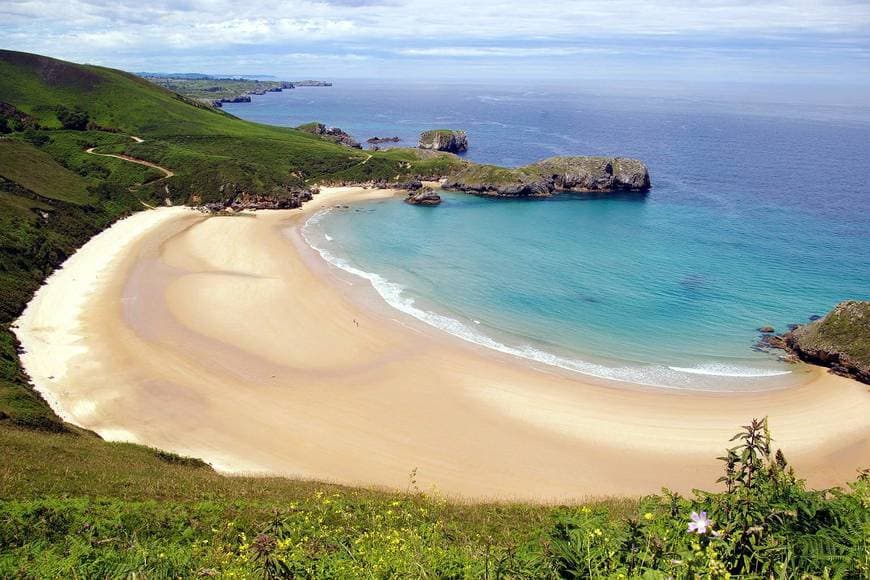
{"x": 226, "y": 338}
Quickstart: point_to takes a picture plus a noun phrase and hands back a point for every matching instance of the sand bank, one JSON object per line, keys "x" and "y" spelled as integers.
{"x": 217, "y": 337}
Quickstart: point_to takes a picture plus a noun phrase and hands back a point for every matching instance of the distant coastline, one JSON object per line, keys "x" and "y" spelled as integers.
{"x": 215, "y": 90}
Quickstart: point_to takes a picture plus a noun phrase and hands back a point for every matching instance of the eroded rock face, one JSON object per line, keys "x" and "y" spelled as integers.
{"x": 378, "y": 140}
{"x": 238, "y": 199}
{"x": 425, "y": 196}
{"x": 839, "y": 340}
{"x": 588, "y": 174}
{"x": 444, "y": 140}
{"x": 333, "y": 134}
{"x": 556, "y": 174}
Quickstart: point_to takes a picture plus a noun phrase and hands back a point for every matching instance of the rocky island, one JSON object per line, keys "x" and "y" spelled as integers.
{"x": 839, "y": 340}
{"x": 425, "y": 196}
{"x": 444, "y": 140}
{"x": 544, "y": 178}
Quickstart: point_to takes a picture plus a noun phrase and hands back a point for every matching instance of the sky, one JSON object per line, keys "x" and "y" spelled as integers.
{"x": 791, "y": 42}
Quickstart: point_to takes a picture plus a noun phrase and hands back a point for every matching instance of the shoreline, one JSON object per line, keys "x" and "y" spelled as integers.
{"x": 604, "y": 371}
{"x": 216, "y": 337}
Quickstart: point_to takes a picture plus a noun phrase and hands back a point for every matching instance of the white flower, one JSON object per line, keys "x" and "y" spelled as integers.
{"x": 699, "y": 523}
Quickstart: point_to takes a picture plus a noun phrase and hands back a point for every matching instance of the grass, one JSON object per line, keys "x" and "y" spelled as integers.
{"x": 118, "y": 510}
{"x": 206, "y": 148}
{"x": 17, "y": 158}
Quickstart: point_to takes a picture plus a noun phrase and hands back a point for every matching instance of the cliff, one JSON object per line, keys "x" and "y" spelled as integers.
{"x": 444, "y": 140}
{"x": 333, "y": 134}
{"x": 542, "y": 179}
{"x": 839, "y": 340}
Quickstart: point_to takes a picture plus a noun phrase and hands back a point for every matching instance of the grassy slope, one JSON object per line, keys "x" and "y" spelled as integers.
{"x": 17, "y": 158}
{"x": 205, "y": 147}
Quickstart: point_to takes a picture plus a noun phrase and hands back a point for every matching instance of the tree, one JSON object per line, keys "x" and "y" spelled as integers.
{"x": 75, "y": 119}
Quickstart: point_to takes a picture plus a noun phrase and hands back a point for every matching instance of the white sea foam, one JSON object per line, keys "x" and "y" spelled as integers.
{"x": 328, "y": 237}
{"x": 649, "y": 375}
{"x": 723, "y": 370}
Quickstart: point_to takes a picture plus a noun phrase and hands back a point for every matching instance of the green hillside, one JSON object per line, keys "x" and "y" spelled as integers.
{"x": 75, "y": 506}
{"x": 52, "y": 180}
{"x": 205, "y": 147}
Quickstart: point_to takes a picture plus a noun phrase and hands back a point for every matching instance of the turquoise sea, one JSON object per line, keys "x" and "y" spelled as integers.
{"x": 759, "y": 214}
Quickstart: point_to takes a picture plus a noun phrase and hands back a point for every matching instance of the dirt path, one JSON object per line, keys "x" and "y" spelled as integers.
{"x": 166, "y": 172}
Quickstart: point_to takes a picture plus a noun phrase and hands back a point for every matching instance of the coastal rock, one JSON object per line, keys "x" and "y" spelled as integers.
{"x": 589, "y": 174}
{"x": 426, "y": 196}
{"x": 379, "y": 140}
{"x": 766, "y": 329}
{"x": 412, "y": 185}
{"x": 839, "y": 340}
{"x": 444, "y": 140}
{"x": 333, "y": 134}
{"x": 556, "y": 174}
{"x": 238, "y": 199}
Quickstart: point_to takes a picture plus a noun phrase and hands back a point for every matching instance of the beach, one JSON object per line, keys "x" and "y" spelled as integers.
{"x": 227, "y": 338}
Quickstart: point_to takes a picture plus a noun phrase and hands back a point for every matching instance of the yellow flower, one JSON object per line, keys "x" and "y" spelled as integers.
{"x": 598, "y": 531}
{"x": 648, "y": 516}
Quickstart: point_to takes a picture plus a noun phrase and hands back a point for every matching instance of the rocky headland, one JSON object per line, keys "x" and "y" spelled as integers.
{"x": 556, "y": 174}
{"x": 444, "y": 140}
{"x": 839, "y": 340}
{"x": 333, "y": 134}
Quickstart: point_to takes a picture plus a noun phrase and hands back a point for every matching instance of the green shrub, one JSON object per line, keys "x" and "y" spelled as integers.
{"x": 766, "y": 524}
{"x": 75, "y": 119}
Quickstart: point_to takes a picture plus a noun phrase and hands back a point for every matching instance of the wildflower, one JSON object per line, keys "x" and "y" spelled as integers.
{"x": 598, "y": 531}
{"x": 699, "y": 523}
{"x": 648, "y": 516}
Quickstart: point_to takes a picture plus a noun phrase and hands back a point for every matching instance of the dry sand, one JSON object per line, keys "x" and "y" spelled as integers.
{"x": 219, "y": 338}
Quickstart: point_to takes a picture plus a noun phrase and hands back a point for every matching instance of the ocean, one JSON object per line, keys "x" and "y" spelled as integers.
{"x": 759, "y": 215}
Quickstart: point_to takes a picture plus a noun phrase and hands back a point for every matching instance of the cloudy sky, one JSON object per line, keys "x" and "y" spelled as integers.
{"x": 787, "y": 41}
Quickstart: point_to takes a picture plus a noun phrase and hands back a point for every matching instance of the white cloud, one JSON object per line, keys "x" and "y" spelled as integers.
{"x": 123, "y": 31}
{"x": 506, "y": 51}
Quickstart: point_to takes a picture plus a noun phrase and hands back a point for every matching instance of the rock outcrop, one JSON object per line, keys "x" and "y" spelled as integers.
{"x": 239, "y": 99}
{"x": 411, "y": 185}
{"x": 425, "y": 196}
{"x": 839, "y": 340}
{"x": 444, "y": 140}
{"x": 333, "y": 134}
{"x": 553, "y": 175}
{"x": 379, "y": 140}
{"x": 238, "y": 198}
